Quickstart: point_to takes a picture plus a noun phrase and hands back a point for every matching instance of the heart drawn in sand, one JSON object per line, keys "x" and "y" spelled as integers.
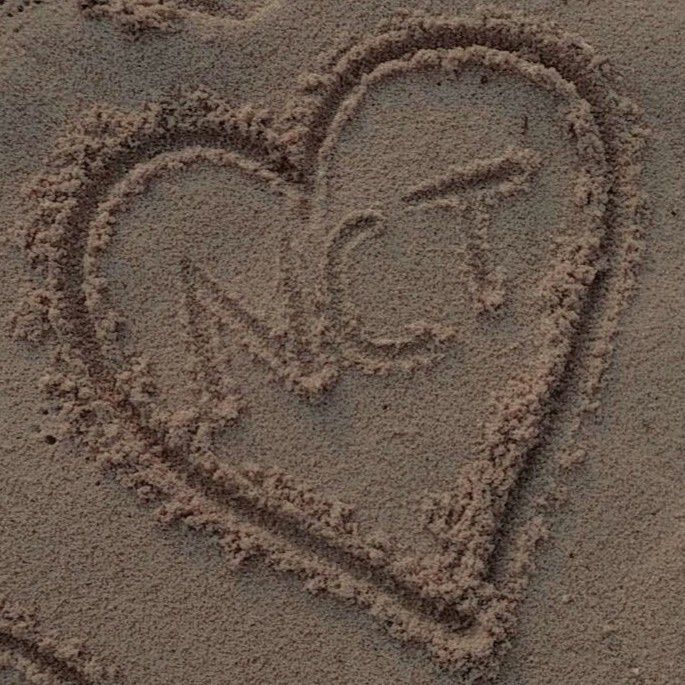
{"x": 404, "y": 344}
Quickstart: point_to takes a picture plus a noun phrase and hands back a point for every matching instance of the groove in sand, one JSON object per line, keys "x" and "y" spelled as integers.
{"x": 136, "y": 16}
{"x": 45, "y": 658}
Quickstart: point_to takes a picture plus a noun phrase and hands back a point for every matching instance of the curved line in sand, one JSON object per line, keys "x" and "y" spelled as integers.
{"x": 418, "y": 347}
{"x": 44, "y": 658}
{"x": 137, "y": 180}
{"x": 137, "y": 16}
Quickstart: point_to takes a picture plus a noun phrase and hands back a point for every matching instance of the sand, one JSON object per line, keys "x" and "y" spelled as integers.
{"x": 342, "y": 344}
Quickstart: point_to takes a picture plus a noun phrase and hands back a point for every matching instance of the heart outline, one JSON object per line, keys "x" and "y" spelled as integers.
{"x": 286, "y": 146}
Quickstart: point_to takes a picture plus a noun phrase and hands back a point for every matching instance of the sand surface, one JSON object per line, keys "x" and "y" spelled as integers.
{"x": 342, "y": 342}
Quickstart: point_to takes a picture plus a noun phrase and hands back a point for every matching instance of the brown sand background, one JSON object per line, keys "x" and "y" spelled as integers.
{"x": 605, "y": 604}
